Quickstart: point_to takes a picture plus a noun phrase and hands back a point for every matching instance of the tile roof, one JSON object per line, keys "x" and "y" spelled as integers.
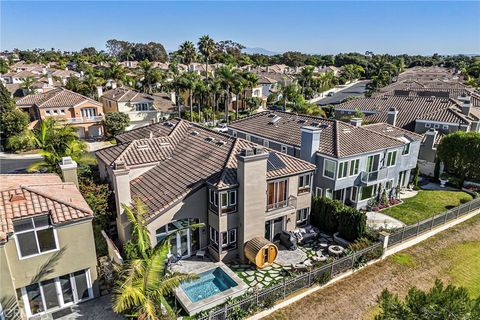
{"x": 184, "y": 157}
{"x": 160, "y": 101}
{"x": 58, "y": 97}
{"x": 337, "y": 139}
{"x": 394, "y": 132}
{"x": 25, "y": 195}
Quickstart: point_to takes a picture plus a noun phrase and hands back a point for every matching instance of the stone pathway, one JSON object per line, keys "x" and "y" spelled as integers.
{"x": 377, "y": 220}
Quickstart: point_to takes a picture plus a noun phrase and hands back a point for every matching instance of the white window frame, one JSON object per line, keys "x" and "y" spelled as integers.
{"x": 445, "y": 126}
{"x": 266, "y": 143}
{"x": 35, "y": 229}
{"x": 408, "y": 146}
{"x": 229, "y": 203}
{"x": 58, "y": 288}
{"x": 284, "y": 149}
{"x": 234, "y": 133}
{"x": 394, "y": 159}
{"x": 319, "y": 192}
{"x": 334, "y": 169}
{"x": 428, "y": 125}
{"x": 304, "y": 216}
{"x": 214, "y": 235}
{"x": 436, "y": 126}
{"x": 248, "y": 137}
{"x": 351, "y": 165}
{"x": 327, "y": 191}
{"x": 345, "y": 165}
{"x": 354, "y": 188}
{"x": 307, "y": 182}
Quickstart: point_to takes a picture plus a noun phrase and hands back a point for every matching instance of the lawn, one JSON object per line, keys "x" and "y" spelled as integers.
{"x": 426, "y": 204}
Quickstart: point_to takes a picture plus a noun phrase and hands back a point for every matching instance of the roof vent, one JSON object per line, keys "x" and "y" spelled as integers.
{"x": 302, "y": 121}
{"x": 275, "y": 120}
{"x": 346, "y": 130}
{"x": 142, "y": 147}
{"x": 271, "y": 115}
{"x": 409, "y": 99}
{"x": 210, "y": 139}
{"x": 194, "y": 133}
{"x": 16, "y": 197}
{"x": 314, "y": 124}
{"x": 221, "y": 143}
{"x": 168, "y": 124}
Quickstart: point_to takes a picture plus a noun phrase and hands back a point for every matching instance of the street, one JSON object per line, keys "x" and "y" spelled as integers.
{"x": 9, "y": 165}
{"x": 357, "y": 90}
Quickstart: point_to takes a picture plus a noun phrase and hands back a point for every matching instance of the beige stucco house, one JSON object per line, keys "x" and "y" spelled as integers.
{"x": 187, "y": 174}
{"x": 47, "y": 250}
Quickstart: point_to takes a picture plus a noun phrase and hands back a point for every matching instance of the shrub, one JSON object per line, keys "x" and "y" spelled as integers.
{"x": 116, "y": 122}
{"x": 20, "y": 142}
{"x": 13, "y": 121}
{"x": 351, "y": 223}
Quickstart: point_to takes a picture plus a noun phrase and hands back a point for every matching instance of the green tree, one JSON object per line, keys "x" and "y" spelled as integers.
{"x": 227, "y": 77}
{"x": 207, "y": 48}
{"x": 116, "y": 122}
{"x": 28, "y": 85}
{"x": 188, "y": 81}
{"x": 188, "y": 52}
{"x": 440, "y": 302}
{"x": 13, "y": 121}
{"x": 459, "y": 152}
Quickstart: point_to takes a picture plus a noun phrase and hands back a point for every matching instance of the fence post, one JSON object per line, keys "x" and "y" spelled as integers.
{"x": 403, "y": 233}
{"x": 446, "y": 215}
{"x": 225, "y": 310}
{"x": 431, "y": 225}
{"x": 284, "y": 288}
{"x": 469, "y": 206}
{"x": 309, "y": 278}
{"x": 458, "y": 213}
{"x": 331, "y": 270}
{"x": 353, "y": 260}
{"x": 418, "y": 228}
{"x": 384, "y": 237}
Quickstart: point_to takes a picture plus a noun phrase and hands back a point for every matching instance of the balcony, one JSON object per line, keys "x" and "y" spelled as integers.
{"x": 288, "y": 204}
{"x": 370, "y": 178}
{"x": 85, "y": 119}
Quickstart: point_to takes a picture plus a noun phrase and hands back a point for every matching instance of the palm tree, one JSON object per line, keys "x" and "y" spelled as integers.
{"x": 188, "y": 81}
{"x": 188, "y": 52}
{"x": 306, "y": 76}
{"x": 145, "y": 280}
{"x": 207, "y": 48}
{"x": 227, "y": 76}
{"x": 27, "y": 85}
{"x": 251, "y": 81}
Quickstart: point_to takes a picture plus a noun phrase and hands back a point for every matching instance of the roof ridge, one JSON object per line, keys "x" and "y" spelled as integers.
{"x": 227, "y": 159}
{"x": 48, "y": 196}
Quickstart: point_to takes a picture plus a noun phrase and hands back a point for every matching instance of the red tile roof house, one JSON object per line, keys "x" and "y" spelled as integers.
{"x": 47, "y": 249}
{"x": 187, "y": 174}
{"x": 354, "y": 163}
{"x": 434, "y": 117}
{"x": 82, "y": 113}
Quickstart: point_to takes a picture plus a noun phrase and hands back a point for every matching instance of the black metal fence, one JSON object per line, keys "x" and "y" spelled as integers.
{"x": 414, "y": 230}
{"x": 264, "y": 298}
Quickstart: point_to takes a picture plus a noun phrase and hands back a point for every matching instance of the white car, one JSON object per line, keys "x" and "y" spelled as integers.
{"x": 221, "y": 128}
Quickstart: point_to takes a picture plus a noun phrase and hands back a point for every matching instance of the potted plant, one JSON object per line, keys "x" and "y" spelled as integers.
{"x": 443, "y": 179}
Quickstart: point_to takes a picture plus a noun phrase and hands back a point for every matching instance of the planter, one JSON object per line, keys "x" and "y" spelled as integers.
{"x": 336, "y": 250}
{"x": 443, "y": 182}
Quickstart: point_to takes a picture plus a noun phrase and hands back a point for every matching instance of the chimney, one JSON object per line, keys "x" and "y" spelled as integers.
{"x": 392, "y": 116}
{"x": 99, "y": 91}
{"x": 252, "y": 195}
{"x": 465, "y": 104}
{"x": 121, "y": 187}
{"x": 310, "y": 143}
{"x": 50, "y": 80}
{"x": 114, "y": 85}
{"x": 69, "y": 170}
{"x": 356, "y": 122}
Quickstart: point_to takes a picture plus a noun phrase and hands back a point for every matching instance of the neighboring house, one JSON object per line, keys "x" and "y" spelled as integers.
{"x": 47, "y": 250}
{"x": 354, "y": 163}
{"x": 187, "y": 174}
{"x": 142, "y": 108}
{"x": 82, "y": 113}
{"x": 428, "y": 74}
{"x": 436, "y": 117}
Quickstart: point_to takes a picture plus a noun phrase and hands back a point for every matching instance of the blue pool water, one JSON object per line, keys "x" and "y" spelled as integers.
{"x": 210, "y": 283}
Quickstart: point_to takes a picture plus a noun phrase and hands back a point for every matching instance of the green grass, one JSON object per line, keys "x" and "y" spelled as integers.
{"x": 426, "y": 204}
{"x": 465, "y": 271}
{"x": 404, "y": 259}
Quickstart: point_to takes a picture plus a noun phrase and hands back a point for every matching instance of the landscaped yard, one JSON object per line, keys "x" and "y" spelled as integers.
{"x": 452, "y": 256}
{"x": 426, "y": 204}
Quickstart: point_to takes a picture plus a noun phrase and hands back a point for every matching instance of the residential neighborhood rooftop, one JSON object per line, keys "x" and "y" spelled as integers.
{"x": 59, "y": 97}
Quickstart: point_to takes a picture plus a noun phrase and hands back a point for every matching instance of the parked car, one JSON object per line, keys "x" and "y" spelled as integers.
{"x": 276, "y": 108}
{"x": 221, "y": 128}
{"x": 331, "y": 94}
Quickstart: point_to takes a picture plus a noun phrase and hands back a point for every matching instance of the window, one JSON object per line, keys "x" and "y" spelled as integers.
{"x": 62, "y": 111}
{"x": 329, "y": 169}
{"x": 55, "y": 111}
{"x": 391, "y": 158}
{"x": 328, "y": 193}
{"x": 47, "y": 112}
{"x": 366, "y": 193}
{"x": 265, "y": 143}
{"x": 406, "y": 149}
{"x": 427, "y": 125}
{"x": 372, "y": 162}
{"x": 303, "y": 217}
{"x": 247, "y": 137}
{"x": 304, "y": 183}
{"x": 342, "y": 169}
{"x": 227, "y": 239}
{"x": 34, "y": 236}
{"x": 228, "y": 201}
{"x": 284, "y": 149}
{"x": 436, "y": 126}
{"x": 354, "y": 165}
{"x": 445, "y": 126}
{"x": 277, "y": 194}
{"x": 213, "y": 235}
{"x": 354, "y": 194}
{"x": 234, "y": 133}
{"x": 319, "y": 192}
{"x": 142, "y": 107}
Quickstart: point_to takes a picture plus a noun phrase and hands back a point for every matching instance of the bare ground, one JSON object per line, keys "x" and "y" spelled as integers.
{"x": 355, "y": 297}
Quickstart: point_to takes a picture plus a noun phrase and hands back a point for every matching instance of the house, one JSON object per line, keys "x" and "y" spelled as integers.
{"x": 186, "y": 173}
{"x": 142, "y": 108}
{"x": 82, "y": 113}
{"x": 435, "y": 116}
{"x": 354, "y": 163}
{"x": 47, "y": 250}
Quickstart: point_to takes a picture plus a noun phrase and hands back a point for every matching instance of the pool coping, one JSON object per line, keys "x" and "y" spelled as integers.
{"x": 195, "y": 307}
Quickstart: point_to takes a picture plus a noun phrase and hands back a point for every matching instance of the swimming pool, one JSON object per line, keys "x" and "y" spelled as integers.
{"x": 210, "y": 283}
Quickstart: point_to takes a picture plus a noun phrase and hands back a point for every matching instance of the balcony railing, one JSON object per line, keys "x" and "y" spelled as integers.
{"x": 290, "y": 202}
{"x": 374, "y": 176}
{"x": 85, "y": 119}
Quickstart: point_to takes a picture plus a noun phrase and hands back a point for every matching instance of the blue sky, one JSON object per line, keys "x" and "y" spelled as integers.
{"x": 312, "y": 27}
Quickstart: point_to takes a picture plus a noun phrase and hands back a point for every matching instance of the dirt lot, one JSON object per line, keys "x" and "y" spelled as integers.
{"x": 438, "y": 257}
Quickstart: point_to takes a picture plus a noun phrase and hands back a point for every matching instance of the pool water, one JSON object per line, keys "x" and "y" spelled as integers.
{"x": 210, "y": 283}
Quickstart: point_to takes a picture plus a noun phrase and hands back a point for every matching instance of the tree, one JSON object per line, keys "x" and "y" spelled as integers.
{"x": 187, "y": 52}
{"x": 459, "y": 152}
{"x": 145, "y": 280}
{"x": 28, "y": 85}
{"x": 207, "y": 48}
{"x": 188, "y": 81}
{"x": 13, "y": 121}
{"x": 227, "y": 76}
{"x": 440, "y": 302}
{"x": 116, "y": 122}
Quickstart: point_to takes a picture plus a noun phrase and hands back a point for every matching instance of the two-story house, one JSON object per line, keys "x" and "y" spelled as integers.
{"x": 142, "y": 108}
{"x": 185, "y": 174}
{"x": 354, "y": 163}
{"x": 47, "y": 249}
{"x": 82, "y": 113}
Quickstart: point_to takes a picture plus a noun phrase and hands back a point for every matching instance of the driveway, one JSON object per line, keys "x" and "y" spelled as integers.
{"x": 357, "y": 90}
{"x": 96, "y": 309}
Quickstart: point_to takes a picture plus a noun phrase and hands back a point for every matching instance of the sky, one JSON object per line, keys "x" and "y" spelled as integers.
{"x": 312, "y": 27}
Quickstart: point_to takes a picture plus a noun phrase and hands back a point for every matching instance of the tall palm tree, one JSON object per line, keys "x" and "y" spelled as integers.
{"x": 227, "y": 76}
{"x": 27, "y": 85}
{"x": 306, "y": 76}
{"x": 251, "y": 81}
{"x": 238, "y": 88}
{"x": 188, "y": 52}
{"x": 207, "y": 48}
{"x": 188, "y": 81}
{"x": 145, "y": 280}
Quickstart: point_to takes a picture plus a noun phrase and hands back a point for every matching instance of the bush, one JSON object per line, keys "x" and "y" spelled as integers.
{"x": 20, "y": 142}
{"x": 351, "y": 223}
{"x": 13, "y": 122}
{"x": 116, "y": 122}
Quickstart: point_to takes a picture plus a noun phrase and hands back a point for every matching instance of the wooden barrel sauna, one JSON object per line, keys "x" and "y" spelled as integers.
{"x": 260, "y": 251}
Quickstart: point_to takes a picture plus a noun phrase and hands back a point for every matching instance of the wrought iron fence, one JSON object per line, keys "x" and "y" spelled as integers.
{"x": 255, "y": 301}
{"x": 414, "y": 230}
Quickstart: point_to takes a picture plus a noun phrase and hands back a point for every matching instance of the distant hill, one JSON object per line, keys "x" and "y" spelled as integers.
{"x": 259, "y": 51}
